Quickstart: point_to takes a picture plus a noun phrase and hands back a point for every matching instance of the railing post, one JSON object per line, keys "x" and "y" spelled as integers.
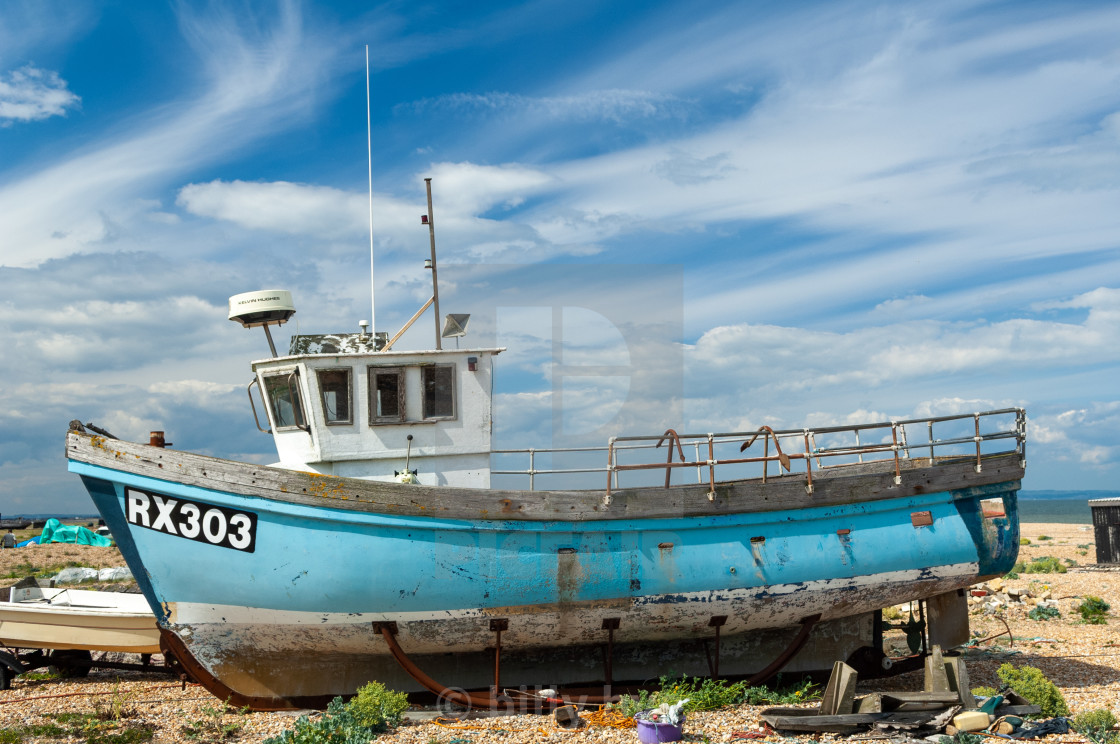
{"x": 976, "y": 437}
{"x": 711, "y": 465}
{"x": 532, "y": 469}
{"x": 894, "y": 451}
{"x": 610, "y": 470}
{"x": 808, "y": 464}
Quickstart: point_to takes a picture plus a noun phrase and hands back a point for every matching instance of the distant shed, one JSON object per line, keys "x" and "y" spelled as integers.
{"x": 1106, "y": 529}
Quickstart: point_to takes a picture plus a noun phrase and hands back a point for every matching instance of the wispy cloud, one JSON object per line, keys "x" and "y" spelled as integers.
{"x": 598, "y": 105}
{"x": 266, "y": 75}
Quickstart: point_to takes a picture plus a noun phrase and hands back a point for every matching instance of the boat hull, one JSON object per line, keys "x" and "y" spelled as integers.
{"x": 300, "y": 579}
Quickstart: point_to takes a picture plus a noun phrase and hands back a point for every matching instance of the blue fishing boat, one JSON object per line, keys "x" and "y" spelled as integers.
{"x": 376, "y": 549}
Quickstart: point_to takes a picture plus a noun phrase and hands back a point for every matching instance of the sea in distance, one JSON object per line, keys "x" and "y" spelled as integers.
{"x": 1062, "y": 507}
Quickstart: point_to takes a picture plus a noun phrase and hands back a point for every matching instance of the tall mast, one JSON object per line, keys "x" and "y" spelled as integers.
{"x": 435, "y": 283}
{"x": 369, "y": 148}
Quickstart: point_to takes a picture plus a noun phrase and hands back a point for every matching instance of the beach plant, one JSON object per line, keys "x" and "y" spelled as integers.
{"x": 711, "y": 694}
{"x": 1097, "y": 726}
{"x": 374, "y": 710}
{"x": 1042, "y": 564}
{"x": 962, "y": 737}
{"x": 116, "y": 706}
{"x": 212, "y": 727}
{"x": 1033, "y": 685}
{"x": 1024, "y": 541}
{"x": 1044, "y": 537}
{"x": 1093, "y": 610}
{"x": 1043, "y": 613}
{"x": 377, "y": 707}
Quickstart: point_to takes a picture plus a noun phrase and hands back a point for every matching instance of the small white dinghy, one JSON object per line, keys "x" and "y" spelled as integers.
{"x": 61, "y": 627}
{"x": 64, "y": 618}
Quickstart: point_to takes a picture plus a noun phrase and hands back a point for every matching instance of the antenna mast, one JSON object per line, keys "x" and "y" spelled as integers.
{"x": 435, "y": 284}
{"x": 369, "y": 147}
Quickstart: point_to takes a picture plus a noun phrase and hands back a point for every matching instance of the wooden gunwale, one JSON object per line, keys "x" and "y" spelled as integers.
{"x": 839, "y": 485}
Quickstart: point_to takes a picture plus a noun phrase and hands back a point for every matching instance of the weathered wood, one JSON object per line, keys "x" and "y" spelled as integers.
{"x": 958, "y": 680}
{"x": 935, "y": 679}
{"x": 888, "y": 702}
{"x": 840, "y": 691}
{"x": 832, "y": 487}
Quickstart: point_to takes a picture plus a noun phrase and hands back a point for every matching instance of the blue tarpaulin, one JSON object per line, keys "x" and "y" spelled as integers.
{"x": 55, "y": 531}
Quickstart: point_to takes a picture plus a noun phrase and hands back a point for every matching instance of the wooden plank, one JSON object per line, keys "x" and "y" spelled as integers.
{"x": 958, "y": 681}
{"x": 840, "y": 691}
{"x": 831, "y": 488}
{"x": 935, "y": 680}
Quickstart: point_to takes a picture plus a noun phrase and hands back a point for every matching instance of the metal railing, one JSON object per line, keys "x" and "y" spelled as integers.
{"x": 970, "y": 437}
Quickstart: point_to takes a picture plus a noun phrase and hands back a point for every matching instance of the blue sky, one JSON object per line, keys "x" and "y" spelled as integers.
{"x": 830, "y": 212}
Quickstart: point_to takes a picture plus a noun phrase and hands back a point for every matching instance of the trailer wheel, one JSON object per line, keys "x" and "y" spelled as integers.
{"x": 10, "y": 668}
{"x": 72, "y": 662}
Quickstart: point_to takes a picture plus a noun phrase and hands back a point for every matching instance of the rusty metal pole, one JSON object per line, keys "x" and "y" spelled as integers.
{"x": 432, "y": 236}
{"x": 497, "y": 625}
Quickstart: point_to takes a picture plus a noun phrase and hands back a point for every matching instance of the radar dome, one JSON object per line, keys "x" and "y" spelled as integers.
{"x": 262, "y": 307}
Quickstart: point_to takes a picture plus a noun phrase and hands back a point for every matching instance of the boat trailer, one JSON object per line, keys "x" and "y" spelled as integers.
{"x": 71, "y": 663}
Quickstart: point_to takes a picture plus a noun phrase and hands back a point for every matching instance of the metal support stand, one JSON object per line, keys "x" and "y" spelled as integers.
{"x": 496, "y": 627}
{"x": 717, "y": 622}
{"x": 610, "y": 624}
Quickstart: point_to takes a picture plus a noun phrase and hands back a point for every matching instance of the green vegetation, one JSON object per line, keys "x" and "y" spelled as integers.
{"x": 1043, "y": 613}
{"x": 1044, "y": 537}
{"x": 710, "y": 694}
{"x": 378, "y": 708}
{"x": 1097, "y": 726}
{"x": 1029, "y": 682}
{"x": 212, "y": 727}
{"x": 1093, "y": 610}
{"x": 1042, "y": 564}
{"x": 890, "y": 614}
{"x": 20, "y": 570}
{"x": 87, "y": 727}
{"x": 983, "y": 691}
{"x": 962, "y": 737}
{"x": 1024, "y": 541}
{"x": 374, "y": 710}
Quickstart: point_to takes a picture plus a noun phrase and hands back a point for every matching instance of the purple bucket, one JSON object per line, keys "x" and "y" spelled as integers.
{"x": 651, "y": 732}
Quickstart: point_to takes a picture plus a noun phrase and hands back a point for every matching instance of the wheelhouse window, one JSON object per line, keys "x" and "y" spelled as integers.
{"x": 439, "y": 391}
{"x": 334, "y": 389}
{"x": 386, "y": 395}
{"x": 283, "y": 399}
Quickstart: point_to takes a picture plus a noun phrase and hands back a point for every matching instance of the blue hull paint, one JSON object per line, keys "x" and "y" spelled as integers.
{"x": 269, "y": 571}
{"x": 319, "y": 560}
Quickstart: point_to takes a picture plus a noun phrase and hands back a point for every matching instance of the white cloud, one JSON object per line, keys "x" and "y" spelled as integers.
{"x": 31, "y": 94}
